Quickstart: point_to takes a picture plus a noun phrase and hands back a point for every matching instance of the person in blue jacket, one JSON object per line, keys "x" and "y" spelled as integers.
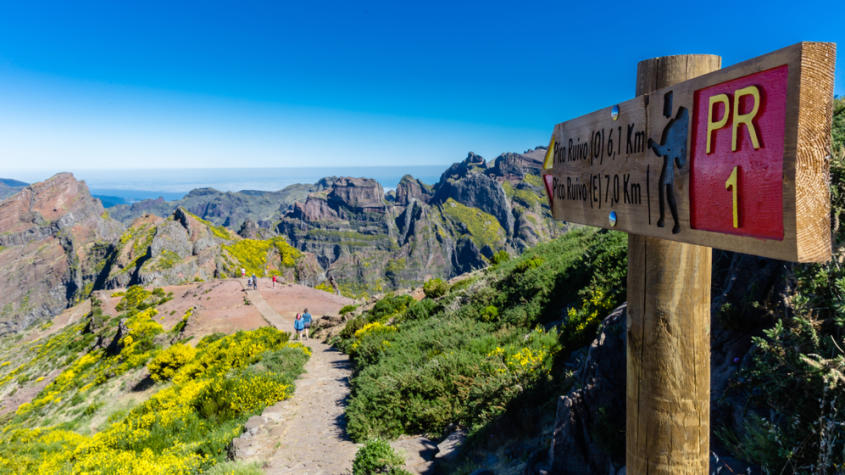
{"x": 306, "y": 317}
{"x": 299, "y": 325}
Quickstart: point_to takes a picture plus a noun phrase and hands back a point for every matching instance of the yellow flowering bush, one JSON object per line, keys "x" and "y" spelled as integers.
{"x": 167, "y": 362}
{"x": 185, "y": 427}
{"x": 254, "y": 255}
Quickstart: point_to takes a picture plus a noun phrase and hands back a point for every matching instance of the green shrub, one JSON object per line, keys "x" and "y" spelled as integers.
{"x": 420, "y": 309}
{"x": 490, "y": 313}
{"x": 347, "y": 309}
{"x": 462, "y": 284}
{"x": 388, "y": 307}
{"x": 434, "y": 288}
{"x": 465, "y": 358}
{"x": 500, "y": 257}
{"x": 377, "y": 456}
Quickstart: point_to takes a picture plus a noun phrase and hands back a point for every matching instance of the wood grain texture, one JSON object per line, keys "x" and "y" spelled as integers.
{"x": 803, "y": 203}
{"x": 812, "y": 162}
{"x": 668, "y": 330}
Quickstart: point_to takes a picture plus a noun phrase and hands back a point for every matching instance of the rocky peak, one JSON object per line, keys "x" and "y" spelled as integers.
{"x": 52, "y": 235}
{"x": 206, "y": 191}
{"x": 473, "y": 163}
{"x": 410, "y": 188}
{"x": 315, "y": 209}
{"x": 362, "y": 194}
{"x": 514, "y": 166}
{"x": 61, "y": 199}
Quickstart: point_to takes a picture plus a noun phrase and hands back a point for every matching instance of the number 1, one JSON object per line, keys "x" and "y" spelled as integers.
{"x": 732, "y": 184}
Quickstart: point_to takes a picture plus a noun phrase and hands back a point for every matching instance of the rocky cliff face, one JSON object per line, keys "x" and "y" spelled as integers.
{"x": 184, "y": 247}
{"x": 57, "y": 243}
{"x": 53, "y": 236}
{"x": 230, "y": 209}
{"x": 372, "y": 242}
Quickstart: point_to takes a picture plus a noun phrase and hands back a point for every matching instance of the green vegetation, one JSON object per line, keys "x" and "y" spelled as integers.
{"x": 325, "y": 287}
{"x": 465, "y": 357}
{"x": 484, "y": 229}
{"x": 500, "y": 257}
{"x": 202, "y": 398}
{"x": 166, "y": 260}
{"x": 794, "y": 381}
{"x": 435, "y": 288}
{"x": 377, "y": 456}
{"x": 259, "y": 256}
{"x": 219, "y": 231}
{"x": 140, "y": 238}
{"x": 525, "y": 196}
{"x": 347, "y": 309}
{"x": 534, "y": 180}
{"x": 349, "y": 238}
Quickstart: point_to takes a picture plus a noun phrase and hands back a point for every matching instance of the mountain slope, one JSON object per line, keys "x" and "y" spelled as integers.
{"x": 230, "y": 209}
{"x": 53, "y": 238}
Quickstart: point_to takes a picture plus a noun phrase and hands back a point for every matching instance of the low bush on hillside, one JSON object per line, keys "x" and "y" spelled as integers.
{"x": 463, "y": 358}
{"x": 377, "y": 456}
{"x": 435, "y": 288}
{"x": 184, "y": 427}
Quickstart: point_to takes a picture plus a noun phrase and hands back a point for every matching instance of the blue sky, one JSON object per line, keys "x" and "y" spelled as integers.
{"x": 320, "y": 83}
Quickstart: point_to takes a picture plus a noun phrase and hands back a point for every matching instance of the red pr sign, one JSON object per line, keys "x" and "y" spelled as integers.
{"x": 736, "y": 176}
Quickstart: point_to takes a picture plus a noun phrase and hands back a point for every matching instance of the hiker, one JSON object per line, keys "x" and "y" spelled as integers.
{"x": 254, "y": 282}
{"x": 306, "y": 317}
{"x": 274, "y": 281}
{"x": 298, "y": 325}
{"x": 243, "y": 272}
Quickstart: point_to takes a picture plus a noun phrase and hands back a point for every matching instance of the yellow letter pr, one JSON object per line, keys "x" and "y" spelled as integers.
{"x": 746, "y": 118}
{"x": 712, "y": 126}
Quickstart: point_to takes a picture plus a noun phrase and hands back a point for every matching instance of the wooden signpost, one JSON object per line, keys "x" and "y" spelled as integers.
{"x": 733, "y": 158}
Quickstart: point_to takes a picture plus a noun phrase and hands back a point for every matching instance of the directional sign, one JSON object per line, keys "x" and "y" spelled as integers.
{"x": 736, "y": 159}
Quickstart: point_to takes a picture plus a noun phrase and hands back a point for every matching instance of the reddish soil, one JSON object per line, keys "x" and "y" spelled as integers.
{"x": 290, "y": 299}
{"x": 220, "y": 305}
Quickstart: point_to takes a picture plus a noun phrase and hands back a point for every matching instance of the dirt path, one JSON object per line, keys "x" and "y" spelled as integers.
{"x": 306, "y": 434}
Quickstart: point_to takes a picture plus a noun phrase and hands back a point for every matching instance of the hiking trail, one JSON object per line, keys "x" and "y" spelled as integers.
{"x": 306, "y": 433}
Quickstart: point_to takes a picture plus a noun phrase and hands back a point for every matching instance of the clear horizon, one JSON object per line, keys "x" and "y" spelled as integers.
{"x": 100, "y": 85}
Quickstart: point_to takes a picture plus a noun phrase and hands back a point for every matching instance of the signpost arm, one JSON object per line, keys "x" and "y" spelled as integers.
{"x": 668, "y": 328}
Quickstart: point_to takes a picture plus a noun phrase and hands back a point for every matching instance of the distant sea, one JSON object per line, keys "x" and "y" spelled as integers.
{"x": 172, "y": 184}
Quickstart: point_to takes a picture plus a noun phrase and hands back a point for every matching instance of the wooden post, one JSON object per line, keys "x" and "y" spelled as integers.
{"x": 668, "y": 328}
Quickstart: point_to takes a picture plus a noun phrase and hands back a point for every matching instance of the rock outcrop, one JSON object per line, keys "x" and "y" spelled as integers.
{"x": 409, "y": 189}
{"x": 590, "y": 422}
{"x": 53, "y": 236}
{"x": 373, "y": 243}
{"x": 228, "y": 209}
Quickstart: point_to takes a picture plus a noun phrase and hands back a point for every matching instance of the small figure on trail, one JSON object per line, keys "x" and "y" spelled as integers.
{"x": 306, "y": 317}
{"x": 274, "y": 281}
{"x": 254, "y": 282}
{"x": 299, "y": 325}
{"x": 243, "y": 272}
